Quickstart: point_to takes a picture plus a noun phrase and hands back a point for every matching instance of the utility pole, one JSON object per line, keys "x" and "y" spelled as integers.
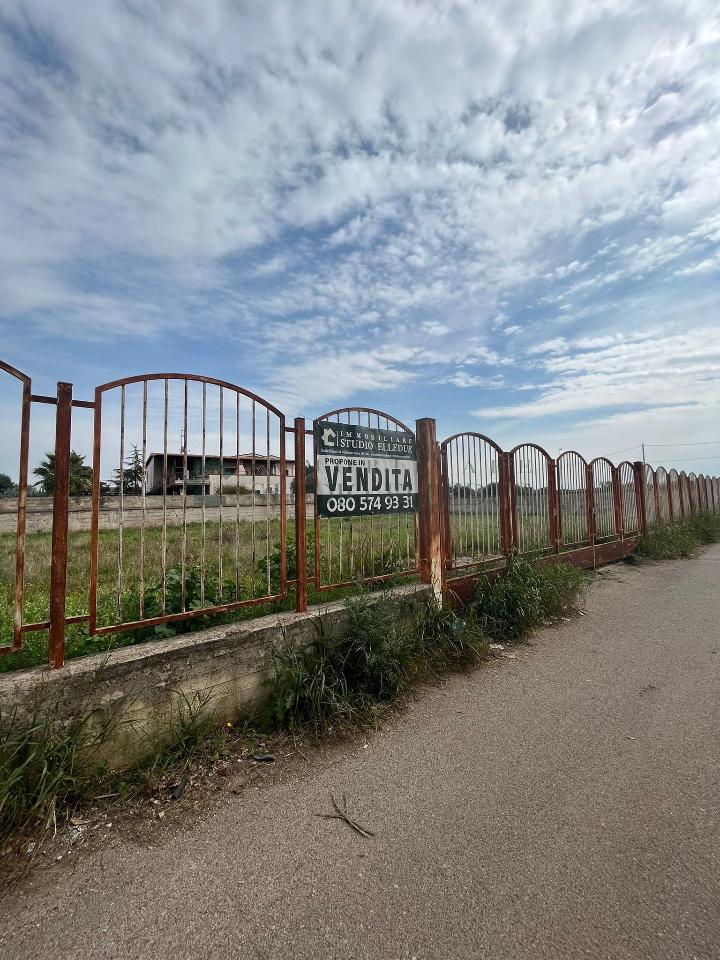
{"x": 643, "y": 452}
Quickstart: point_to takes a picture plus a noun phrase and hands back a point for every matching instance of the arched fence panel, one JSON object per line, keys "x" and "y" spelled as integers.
{"x": 199, "y": 465}
{"x": 369, "y": 533}
{"x": 693, "y": 493}
{"x": 572, "y": 493}
{"x": 473, "y": 480}
{"x": 602, "y": 471}
{"x": 628, "y": 497}
{"x": 531, "y": 497}
{"x": 663, "y": 494}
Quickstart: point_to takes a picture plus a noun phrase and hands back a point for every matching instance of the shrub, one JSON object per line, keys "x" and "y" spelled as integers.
{"x": 525, "y": 596}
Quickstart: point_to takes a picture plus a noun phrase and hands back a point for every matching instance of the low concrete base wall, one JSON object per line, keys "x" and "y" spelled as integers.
{"x": 144, "y": 686}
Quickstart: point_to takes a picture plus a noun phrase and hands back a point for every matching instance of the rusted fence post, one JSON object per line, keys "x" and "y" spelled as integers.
{"x": 61, "y": 494}
{"x": 430, "y": 559}
{"x": 300, "y": 518}
{"x": 590, "y": 492}
{"x": 617, "y": 504}
{"x": 639, "y": 472}
{"x": 554, "y": 506}
{"x": 504, "y": 500}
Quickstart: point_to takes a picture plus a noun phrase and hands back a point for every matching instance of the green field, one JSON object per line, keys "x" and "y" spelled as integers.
{"x": 243, "y": 565}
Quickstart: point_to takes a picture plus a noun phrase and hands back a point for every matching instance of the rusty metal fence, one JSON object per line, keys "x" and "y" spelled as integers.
{"x": 589, "y": 513}
{"x": 249, "y": 539}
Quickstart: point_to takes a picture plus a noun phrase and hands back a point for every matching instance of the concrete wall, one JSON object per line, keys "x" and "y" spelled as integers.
{"x": 38, "y": 517}
{"x": 143, "y": 685}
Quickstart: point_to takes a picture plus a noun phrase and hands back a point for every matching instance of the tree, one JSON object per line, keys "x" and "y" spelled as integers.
{"x": 133, "y": 474}
{"x": 309, "y": 480}
{"x": 7, "y": 487}
{"x": 81, "y": 475}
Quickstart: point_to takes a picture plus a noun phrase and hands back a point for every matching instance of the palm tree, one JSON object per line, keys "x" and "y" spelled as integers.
{"x": 80, "y": 475}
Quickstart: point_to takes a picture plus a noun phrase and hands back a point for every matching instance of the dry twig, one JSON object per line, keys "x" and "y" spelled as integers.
{"x": 342, "y": 814}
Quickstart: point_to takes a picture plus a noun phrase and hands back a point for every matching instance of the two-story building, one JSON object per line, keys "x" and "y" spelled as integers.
{"x": 251, "y": 473}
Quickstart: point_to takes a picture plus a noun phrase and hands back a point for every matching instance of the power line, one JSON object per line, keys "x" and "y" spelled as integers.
{"x": 616, "y": 452}
{"x": 698, "y": 443}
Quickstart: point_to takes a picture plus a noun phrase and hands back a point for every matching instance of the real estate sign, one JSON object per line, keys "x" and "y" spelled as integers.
{"x": 362, "y": 471}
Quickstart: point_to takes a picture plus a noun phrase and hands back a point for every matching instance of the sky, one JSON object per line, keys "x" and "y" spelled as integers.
{"x": 503, "y": 215}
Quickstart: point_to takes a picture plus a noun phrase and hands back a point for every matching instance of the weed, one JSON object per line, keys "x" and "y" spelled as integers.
{"x": 670, "y": 541}
{"x": 508, "y": 607}
{"x": 46, "y": 768}
{"x": 381, "y": 650}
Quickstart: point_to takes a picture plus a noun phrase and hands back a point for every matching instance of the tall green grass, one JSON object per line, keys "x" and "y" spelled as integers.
{"x": 509, "y": 606}
{"x": 380, "y": 651}
{"x": 677, "y": 539}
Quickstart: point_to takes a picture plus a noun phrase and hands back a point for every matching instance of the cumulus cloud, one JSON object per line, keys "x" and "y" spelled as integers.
{"x": 285, "y": 175}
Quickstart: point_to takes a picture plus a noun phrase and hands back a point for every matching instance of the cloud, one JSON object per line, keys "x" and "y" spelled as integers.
{"x": 650, "y": 371}
{"x": 421, "y": 190}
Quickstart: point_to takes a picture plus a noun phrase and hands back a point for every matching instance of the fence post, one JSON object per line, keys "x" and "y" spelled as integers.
{"x": 430, "y": 559}
{"x": 503, "y": 492}
{"x": 61, "y": 495}
{"x": 300, "y": 518}
{"x": 639, "y": 471}
{"x": 590, "y": 490}
{"x": 617, "y": 503}
{"x": 656, "y": 494}
{"x": 554, "y": 506}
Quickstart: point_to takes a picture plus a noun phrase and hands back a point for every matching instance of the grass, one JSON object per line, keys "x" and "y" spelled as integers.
{"x": 350, "y": 550}
{"x": 525, "y": 596}
{"x": 49, "y": 768}
{"x": 380, "y": 652}
{"x": 671, "y": 541}
{"x": 46, "y": 769}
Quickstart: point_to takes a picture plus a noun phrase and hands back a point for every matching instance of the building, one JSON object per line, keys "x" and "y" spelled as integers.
{"x": 259, "y": 473}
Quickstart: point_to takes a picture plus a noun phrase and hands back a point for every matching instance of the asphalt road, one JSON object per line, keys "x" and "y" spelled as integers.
{"x": 563, "y": 804}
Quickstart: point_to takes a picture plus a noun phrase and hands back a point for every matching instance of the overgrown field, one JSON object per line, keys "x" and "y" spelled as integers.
{"x": 222, "y": 565}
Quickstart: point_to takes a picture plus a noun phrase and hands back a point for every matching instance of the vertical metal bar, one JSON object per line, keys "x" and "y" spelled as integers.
{"x": 617, "y": 503}
{"x": 253, "y": 535}
{"x": 121, "y": 481}
{"x": 203, "y": 470}
{"x": 445, "y": 503}
{"x": 591, "y": 516}
{"x": 95, "y": 521}
{"x": 300, "y": 518}
{"x": 639, "y": 474}
{"x": 61, "y": 496}
{"x": 19, "y": 603}
{"x": 183, "y": 541}
{"x": 267, "y": 500}
{"x": 554, "y": 503}
{"x": 163, "y": 541}
{"x": 220, "y": 493}
{"x": 237, "y": 496}
{"x": 283, "y": 508}
{"x": 143, "y": 505}
{"x": 430, "y": 547}
{"x": 512, "y": 501}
